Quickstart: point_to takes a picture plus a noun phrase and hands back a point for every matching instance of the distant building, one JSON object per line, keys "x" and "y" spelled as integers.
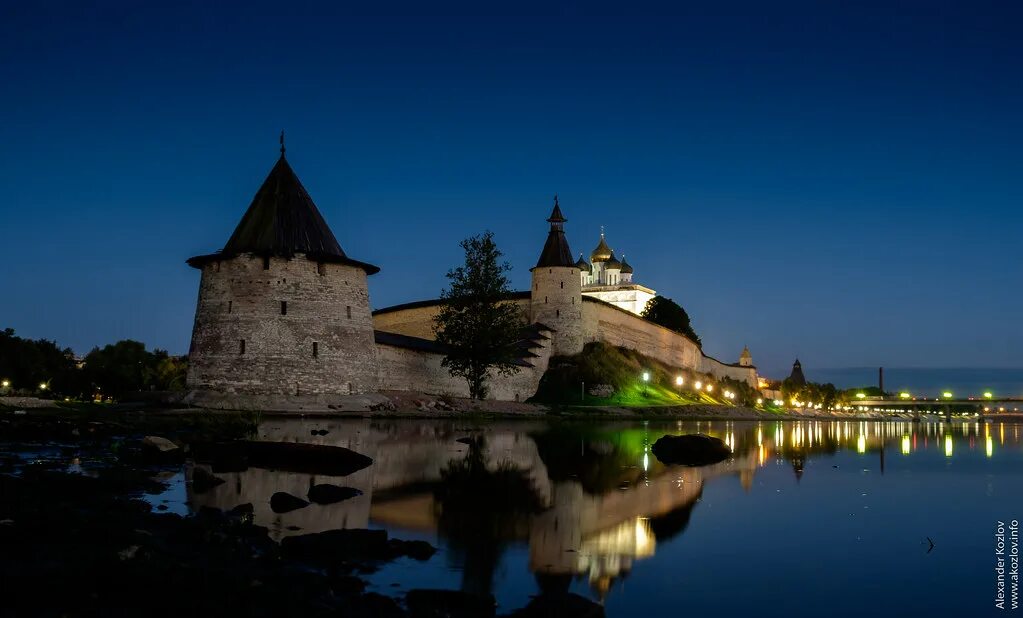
{"x": 745, "y": 359}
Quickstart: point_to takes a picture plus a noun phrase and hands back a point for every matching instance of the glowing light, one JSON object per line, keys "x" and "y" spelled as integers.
{"x": 947, "y": 394}
{"x": 5, "y": 383}
{"x": 948, "y": 445}
{"x": 646, "y": 376}
{"x": 679, "y": 381}
{"x": 861, "y": 444}
{"x": 759, "y": 401}
{"x": 42, "y": 386}
{"x": 698, "y": 385}
{"x": 904, "y": 395}
{"x": 861, "y": 396}
{"x": 710, "y": 387}
{"x": 987, "y": 394}
{"x": 905, "y": 445}
{"x": 779, "y": 402}
{"x": 989, "y": 445}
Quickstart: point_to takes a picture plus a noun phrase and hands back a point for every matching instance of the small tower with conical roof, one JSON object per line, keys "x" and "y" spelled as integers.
{"x": 556, "y": 295}
{"x": 282, "y": 309}
{"x": 745, "y": 359}
{"x": 797, "y": 377}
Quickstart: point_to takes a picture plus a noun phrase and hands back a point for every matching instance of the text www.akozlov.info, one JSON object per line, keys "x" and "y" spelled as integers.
{"x": 1007, "y": 565}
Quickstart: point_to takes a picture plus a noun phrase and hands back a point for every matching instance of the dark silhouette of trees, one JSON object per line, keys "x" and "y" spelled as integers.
{"x": 670, "y": 315}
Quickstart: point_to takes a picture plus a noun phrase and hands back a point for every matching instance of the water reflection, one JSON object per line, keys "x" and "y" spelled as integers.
{"x": 588, "y": 500}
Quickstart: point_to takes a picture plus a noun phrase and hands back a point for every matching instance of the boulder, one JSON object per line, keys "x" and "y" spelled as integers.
{"x": 691, "y": 450}
{"x": 329, "y": 494}
{"x": 601, "y": 390}
{"x": 429, "y": 603}
{"x": 283, "y": 502}
{"x": 203, "y": 480}
{"x": 160, "y": 444}
{"x": 304, "y": 458}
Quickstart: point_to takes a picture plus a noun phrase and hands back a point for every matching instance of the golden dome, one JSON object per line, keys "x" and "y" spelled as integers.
{"x": 602, "y": 253}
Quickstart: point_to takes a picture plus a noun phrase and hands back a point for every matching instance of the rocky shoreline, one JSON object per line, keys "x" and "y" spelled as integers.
{"x": 81, "y": 539}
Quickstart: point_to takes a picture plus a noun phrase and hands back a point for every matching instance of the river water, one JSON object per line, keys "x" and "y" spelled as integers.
{"x": 807, "y": 518}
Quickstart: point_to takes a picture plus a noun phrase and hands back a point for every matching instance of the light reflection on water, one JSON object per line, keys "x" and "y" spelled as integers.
{"x": 819, "y": 509}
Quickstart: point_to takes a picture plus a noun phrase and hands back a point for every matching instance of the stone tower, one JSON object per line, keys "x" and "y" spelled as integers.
{"x": 556, "y": 297}
{"x": 797, "y": 377}
{"x": 745, "y": 359}
{"x": 282, "y": 310}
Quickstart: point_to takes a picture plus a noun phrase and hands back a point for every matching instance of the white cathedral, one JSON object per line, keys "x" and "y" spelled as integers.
{"x": 606, "y": 278}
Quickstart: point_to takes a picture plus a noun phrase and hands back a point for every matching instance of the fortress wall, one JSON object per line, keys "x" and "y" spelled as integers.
{"x": 618, "y": 327}
{"x": 406, "y": 369}
{"x": 413, "y": 321}
{"x": 239, "y": 300}
{"x": 718, "y": 369}
{"x": 417, "y": 319}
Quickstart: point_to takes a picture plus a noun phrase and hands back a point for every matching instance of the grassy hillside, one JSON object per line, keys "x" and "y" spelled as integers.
{"x": 623, "y": 369}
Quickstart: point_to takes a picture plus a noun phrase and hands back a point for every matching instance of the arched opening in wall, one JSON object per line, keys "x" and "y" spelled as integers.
{"x": 348, "y": 310}
{"x": 241, "y": 346}
{"x": 545, "y": 300}
{"x": 573, "y": 300}
{"x": 216, "y": 267}
{"x": 316, "y": 349}
{"x": 230, "y": 306}
{"x": 284, "y": 307}
{"x": 562, "y": 285}
{"x": 557, "y": 313}
{"x": 266, "y": 262}
{"x": 321, "y": 269}
{"x": 351, "y": 390}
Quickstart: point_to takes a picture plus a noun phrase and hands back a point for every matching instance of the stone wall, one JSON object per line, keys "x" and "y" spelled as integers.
{"x": 630, "y": 297}
{"x": 327, "y": 306}
{"x": 604, "y": 322}
{"x": 414, "y": 319}
{"x": 406, "y": 369}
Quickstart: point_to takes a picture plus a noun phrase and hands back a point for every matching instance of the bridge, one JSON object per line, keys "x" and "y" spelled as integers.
{"x": 940, "y": 405}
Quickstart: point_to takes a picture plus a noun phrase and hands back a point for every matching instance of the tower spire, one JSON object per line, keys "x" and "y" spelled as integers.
{"x": 282, "y": 143}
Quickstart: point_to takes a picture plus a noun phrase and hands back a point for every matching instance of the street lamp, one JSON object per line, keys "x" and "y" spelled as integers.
{"x": 42, "y": 386}
{"x": 904, "y": 395}
{"x": 5, "y": 383}
{"x": 987, "y": 394}
{"x": 947, "y": 394}
{"x": 861, "y": 396}
{"x": 646, "y": 381}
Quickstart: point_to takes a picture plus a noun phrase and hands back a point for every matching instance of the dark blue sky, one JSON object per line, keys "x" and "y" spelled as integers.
{"x": 837, "y": 183}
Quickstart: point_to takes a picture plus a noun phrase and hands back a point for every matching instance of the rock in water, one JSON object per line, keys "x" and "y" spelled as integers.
{"x": 203, "y": 481}
{"x": 283, "y": 502}
{"x": 304, "y": 458}
{"x": 161, "y": 444}
{"x": 329, "y": 494}
{"x": 691, "y": 450}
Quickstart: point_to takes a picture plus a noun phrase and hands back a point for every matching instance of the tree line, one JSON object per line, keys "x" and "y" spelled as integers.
{"x": 41, "y": 367}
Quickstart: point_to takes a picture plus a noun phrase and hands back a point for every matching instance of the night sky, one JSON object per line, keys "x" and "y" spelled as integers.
{"x": 840, "y": 184}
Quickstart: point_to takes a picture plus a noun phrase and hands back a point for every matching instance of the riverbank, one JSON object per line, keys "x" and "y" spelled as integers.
{"x": 403, "y": 404}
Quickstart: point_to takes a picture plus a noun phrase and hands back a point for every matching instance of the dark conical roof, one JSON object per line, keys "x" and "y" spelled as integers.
{"x": 626, "y": 267}
{"x": 612, "y": 262}
{"x": 555, "y": 250}
{"x": 797, "y": 377}
{"x": 283, "y": 221}
{"x": 582, "y": 264}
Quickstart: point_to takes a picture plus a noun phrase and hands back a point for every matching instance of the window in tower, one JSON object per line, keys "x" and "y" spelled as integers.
{"x": 230, "y": 305}
{"x": 241, "y": 346}
{"x": 284, "y": 307}
{"x": 266, "y": 262}
{"x": 348, "y": 310}
{"x": 316, "y": 349}
{"x": 321, "y": 269}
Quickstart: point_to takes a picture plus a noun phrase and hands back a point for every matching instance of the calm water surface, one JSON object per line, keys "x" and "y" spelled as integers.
{"x": 808, "y": 517}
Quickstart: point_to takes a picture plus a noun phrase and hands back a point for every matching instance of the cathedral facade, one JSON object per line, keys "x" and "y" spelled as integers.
{"x": 609, "y": 279}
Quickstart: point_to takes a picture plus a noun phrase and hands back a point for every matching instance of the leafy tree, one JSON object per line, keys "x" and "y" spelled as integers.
{"x": 670, "y": 315}
{"x": 27, "y": 363}
{"x": 124, "y": 367}
{"x": 475, "y": 320}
